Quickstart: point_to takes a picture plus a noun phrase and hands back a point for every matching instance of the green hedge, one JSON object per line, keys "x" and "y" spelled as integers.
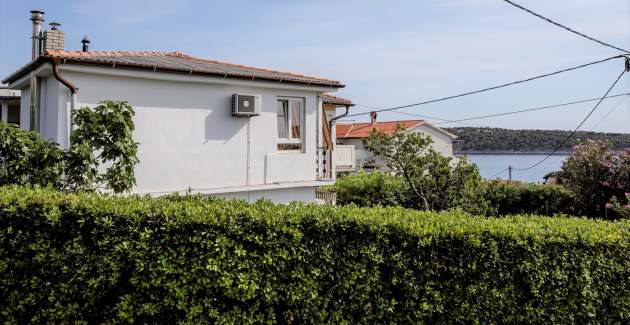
{"x": 368, "y": 190}
{"x": 93, "y": 259}
{"x": 516, "y": 198}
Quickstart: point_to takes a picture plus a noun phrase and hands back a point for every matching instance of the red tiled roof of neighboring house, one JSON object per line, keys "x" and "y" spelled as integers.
{"x": 172, "y": 62}
{"x": 336, "y": 100}
{"x": 363, "y": 130}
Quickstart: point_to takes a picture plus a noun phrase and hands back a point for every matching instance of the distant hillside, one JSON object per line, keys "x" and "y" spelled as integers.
{"x": 472, "y": 139}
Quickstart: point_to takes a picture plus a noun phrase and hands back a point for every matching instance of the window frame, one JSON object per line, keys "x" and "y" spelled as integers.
{"x": 289, "y": 140}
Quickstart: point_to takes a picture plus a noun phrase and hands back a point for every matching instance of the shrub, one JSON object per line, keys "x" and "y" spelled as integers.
{"x": 366, "y": 190}
{"x": 597, "y": 176}
{"x": 27, "y": 159}
{"x": 515, "y": 198}
{"x": 103, "y": 153}
{"x": 434, "y": 182}
{"x": 92, "y": 259}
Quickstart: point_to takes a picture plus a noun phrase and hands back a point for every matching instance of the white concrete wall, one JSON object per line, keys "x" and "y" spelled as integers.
{"x": 188, "y": 137}
{"x": 442, "y": 142}
{"x": 25, "y": 102}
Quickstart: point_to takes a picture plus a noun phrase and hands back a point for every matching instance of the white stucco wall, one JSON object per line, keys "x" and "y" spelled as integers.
{"x": 187, "y": 135}
{"x": 442, "y": 142}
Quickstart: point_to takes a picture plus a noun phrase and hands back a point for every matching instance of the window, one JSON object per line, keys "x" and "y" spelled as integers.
{"x": 290, "y": 123}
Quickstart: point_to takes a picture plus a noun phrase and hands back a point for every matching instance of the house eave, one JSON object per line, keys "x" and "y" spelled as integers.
{"x": 177, "y": 77}
{"x": 43, "y": 59}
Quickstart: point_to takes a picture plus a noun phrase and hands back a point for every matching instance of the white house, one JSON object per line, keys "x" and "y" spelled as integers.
{"x": 190, "y": 139}
{"x": 353, "y": 135}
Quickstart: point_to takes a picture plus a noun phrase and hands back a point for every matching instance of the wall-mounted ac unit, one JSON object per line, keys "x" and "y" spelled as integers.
{"x": 246, "y": 104}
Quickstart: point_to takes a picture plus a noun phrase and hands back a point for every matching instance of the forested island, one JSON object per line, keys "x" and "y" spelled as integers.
{"x": 496, "y": 140}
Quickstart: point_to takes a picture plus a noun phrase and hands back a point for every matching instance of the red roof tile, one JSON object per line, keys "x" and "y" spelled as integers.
{"x": 174, "y": 61}
{"x": 336, "y": 100}
{"x": 363, "y": 130}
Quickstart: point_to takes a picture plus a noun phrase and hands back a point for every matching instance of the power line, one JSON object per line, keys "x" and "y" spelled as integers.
{"x": 447, "y": 121}
{"x": 490, "y": 88}
{"x": 565, "y": 27}
{"x": 529, "y": 109}
{"x": 577, "y": 128}
{"x": 609, "y": 112}
{"x": 438, "y": 119}
{"x": 499, "y": 173}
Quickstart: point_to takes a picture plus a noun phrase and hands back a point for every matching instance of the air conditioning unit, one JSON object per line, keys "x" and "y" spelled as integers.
{"x": 246, "y": 104}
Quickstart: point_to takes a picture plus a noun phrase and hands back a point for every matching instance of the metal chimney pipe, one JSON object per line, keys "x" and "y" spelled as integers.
{"x": 85, "y": 43}
{"x": 37, "y": 17}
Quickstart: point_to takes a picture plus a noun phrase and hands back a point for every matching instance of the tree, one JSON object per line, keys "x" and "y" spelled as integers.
{"x": 27, "y": 159}
{"x": 598, "y": 176}
{"x": 102, "y": 152}
{"x": 435, "y": 181}
{"x": 103, "y": 137}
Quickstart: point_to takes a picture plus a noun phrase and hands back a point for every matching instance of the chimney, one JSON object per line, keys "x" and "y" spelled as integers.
{"x": 372, "y": 117}
{"x": 85, "y": 41}
{"x": 37, "y": 17}
{"x": 54, "y": 39}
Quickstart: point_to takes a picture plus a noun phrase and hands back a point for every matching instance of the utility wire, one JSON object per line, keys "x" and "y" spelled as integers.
{"x": 529, "y": 109}
{"x": 439, "y": 119}
{"x": 490, "y": 88}
{"x": 577, "y": 128}
{"x": 497, "y": 174}
{"x": 607, "y": 114}
{"x": 565, "y": 27}
{"x": 447, "y": 121}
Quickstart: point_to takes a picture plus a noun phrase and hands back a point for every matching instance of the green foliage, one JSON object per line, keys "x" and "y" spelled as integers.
{"x": 619, "y": 210}
{"x": 597, "y": 176}
{"x": 83, "y": 258}
{"x": 474, "y": 139}
{"x": 373, "y": 189}
{"x": 434, "y": 182}
{"x": 515, "y": 198}
{"x": 27, "y": 159}
{"x": 102, "y": 154}
{"x": 103, "y": 137}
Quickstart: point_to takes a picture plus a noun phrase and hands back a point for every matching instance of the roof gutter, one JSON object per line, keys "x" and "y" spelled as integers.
{"x": 332, "y": 121}
{"x": 44, "y": 58}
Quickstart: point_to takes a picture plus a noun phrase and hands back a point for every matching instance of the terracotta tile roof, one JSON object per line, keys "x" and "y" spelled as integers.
{"x": 363, "y": 130}
{"x": 335, "y": 100}
{"x": 174, "y": 62}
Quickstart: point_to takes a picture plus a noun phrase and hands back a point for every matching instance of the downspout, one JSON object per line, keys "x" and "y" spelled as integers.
{"x": 73, "y": 95}
{"x": 332, "y": 121}
{"x": 249, "y": 155}
{"x": 333, "y": 140}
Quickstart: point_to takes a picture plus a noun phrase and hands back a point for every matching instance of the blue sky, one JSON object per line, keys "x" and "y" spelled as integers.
{"x": 388, "y": 53}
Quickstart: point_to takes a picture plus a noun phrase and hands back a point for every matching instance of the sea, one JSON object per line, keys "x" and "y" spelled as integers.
{"x": 492, "y": 165}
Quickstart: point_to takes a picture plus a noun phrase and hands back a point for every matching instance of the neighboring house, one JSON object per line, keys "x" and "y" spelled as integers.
{"x": 342, "y": 155}
{"x": 353, "y": 134}
{"x": 9, "y": 105}
{"x": 190, "y": 140}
